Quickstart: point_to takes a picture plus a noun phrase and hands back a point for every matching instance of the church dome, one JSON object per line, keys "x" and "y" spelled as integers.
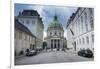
{"x": 55, "y": 24}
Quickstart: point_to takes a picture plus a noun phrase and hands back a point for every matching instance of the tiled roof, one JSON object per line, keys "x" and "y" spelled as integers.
{"x": 23, "y": 28}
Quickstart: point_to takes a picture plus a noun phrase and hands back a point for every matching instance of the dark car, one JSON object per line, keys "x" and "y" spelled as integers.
{"x": 85, "y": 53}
{"x": 31, "y": 53}
{"x": 57, "y": 49}
{"x": 89, "y": 53}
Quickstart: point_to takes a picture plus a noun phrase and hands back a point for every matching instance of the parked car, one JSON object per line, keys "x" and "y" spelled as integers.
{"x": 85, "y": 53}
{"x": 31, "y": 53}
{"x": 63, "y": 49}
{"x": 57, "y": 49}
{"x": 89, "y": 53}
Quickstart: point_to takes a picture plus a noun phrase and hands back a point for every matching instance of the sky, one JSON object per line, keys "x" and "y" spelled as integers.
{"x": 47, "y": 13}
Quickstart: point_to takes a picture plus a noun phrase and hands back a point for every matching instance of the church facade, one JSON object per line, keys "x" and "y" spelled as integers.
{"x": 80, "y": 29}
{"x": 55, "y": 35}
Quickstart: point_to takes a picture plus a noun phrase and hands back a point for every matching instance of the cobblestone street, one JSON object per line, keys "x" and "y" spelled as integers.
{"x": 51, "y": 57}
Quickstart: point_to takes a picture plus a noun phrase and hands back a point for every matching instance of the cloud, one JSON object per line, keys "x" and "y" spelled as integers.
{"x": 45, "y": 34}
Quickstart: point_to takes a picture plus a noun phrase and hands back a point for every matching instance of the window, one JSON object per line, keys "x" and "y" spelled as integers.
{"x": 27, "y": 21}
{"x": 92, "y": 23}
{"x": 82, "y": 22}
{"x": 30, "y": 38}
{"x": 79, "y": 25}
{"x": 50, "y": 33}
{"x": 91, "y": 18}
{"x": 87, "y": 39}
{"x": 55, "y": 33}
{"x": 20, "y": 35}
{"x": 25, "y": 37}
{"x": 21, "y": 21}
{"x": 86, "y": 24}
{"x": 80, "y": 41}
{"x": 33, "y": 21}
{"x": 77, "y": 42}
{"x": 92, "y": 38}
{"x": 59, "y": 33}
{"x": 91, "y": 12}
{"x": 83, "y": 40}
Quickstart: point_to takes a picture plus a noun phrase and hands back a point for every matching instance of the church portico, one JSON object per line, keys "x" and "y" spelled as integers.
{"x": 55, "y": 43}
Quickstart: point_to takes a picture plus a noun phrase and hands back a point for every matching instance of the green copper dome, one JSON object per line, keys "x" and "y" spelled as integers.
{"x": 55, "y": 24}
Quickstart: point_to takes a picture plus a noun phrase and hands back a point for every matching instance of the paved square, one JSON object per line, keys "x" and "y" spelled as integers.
{"x": 51, "y": 57}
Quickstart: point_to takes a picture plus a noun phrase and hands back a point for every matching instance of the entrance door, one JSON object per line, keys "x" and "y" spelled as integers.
{"x": 51, "y": 44}
{"x": 55, "y": 44}
{"x": 58, "y": 44}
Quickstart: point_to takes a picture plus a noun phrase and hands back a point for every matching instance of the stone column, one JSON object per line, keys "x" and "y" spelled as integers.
{"x": 50, "y": 43}
{"x": 61, "y": 45}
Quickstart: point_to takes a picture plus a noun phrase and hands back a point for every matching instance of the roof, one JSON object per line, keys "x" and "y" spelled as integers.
{"x": 72, "y": 17}
{"x": 29, "y": 13}
{"x": 23, "y": 28}
{"x": 55, "y": 24}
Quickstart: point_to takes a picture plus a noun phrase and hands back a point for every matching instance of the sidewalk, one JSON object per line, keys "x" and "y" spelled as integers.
{"x": 71, "y": 51}
{"x": 17, "y": 57}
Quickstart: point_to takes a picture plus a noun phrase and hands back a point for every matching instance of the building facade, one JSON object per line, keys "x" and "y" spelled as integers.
{"x": 24, "y": 39}
{"x": 55, "y": 35}
{"x": 80, "y": 29}
{"x": 32, "y": 20}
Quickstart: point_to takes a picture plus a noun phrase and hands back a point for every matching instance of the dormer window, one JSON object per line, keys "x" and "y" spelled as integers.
{"x": 55, "y": 33}
{"x": 50, "y": 33}
{"x": 27, "y": 21}
{"x": 59, "y": 33}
